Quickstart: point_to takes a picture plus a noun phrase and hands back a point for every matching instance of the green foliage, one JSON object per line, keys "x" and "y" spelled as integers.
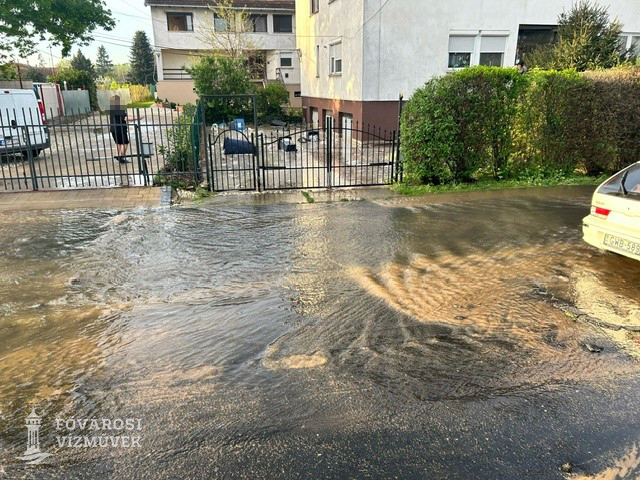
{"x": 35, "y": 75}
{"x": 62, "y": 22}
{"x": 141, "y": 60}
{"x": 542, "y": 125}
{"x": 104, "y": 66}
{"x": 181, "y": 153}
{"x": 587, "y": 40}
{"x": 82, "y": 64}
{"x": 220, "y": 75}
{"x": 8, "y": 71}
{"x": 271, "y": 99}
{"x": 457, "y": 124}
{"x": 77, "y": 79}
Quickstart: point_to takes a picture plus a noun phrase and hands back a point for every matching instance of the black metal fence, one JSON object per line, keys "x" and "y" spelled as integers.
{"x": 167, "y": 146}
{"x": 302, "y": 157}
{"x": 79, "y": 150}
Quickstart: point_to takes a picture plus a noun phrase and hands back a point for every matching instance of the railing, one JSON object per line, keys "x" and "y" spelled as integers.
{"x": 81, "y": 150}
{"x": 175, "y": 74}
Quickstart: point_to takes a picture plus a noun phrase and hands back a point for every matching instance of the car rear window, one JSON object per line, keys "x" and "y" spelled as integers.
{"x": 631, "y": 183}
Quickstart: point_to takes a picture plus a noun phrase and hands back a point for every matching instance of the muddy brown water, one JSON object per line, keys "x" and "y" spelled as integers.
{"x": 408, "y": 339}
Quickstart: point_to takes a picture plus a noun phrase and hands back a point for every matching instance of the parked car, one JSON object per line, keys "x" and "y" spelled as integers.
{"x": 614, "y": 221}
{"x": 22, "y": 124}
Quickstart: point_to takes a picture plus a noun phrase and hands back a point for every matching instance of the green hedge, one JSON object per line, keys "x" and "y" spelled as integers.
{"x": 487, "y": 121}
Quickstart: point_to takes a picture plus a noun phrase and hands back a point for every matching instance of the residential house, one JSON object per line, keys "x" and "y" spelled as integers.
{"x": 180, "y": 30}
{"x": 358, "y": 56}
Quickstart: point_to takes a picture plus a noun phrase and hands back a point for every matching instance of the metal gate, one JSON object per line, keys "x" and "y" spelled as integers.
{"x": 304, "y": 157}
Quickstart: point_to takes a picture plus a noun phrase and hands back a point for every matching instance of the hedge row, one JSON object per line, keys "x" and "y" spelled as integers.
{"x": 485, "y": 121}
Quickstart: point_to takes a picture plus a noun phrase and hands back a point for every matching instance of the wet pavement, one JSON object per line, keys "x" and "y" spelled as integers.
{"x": 418, "y": 338}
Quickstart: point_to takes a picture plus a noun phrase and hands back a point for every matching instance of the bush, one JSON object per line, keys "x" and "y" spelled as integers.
{"x": 181, "y": 153}
{"x": 458, "y": 124}
{"x": 271, "y": 99}
{"x": 219, "y": 75}
{"x": 492, "y": 121}
{"x": 140, "y": 93}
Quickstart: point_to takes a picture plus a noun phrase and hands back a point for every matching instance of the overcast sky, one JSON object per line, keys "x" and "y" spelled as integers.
{"x": 130, "y": 15}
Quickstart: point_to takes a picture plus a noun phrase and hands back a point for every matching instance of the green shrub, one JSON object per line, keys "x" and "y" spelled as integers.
{"x": 140, "y": 93}
{"x": 181, "y": 153}
{"x": 271, "y": 99}
{"x": 459, "y": 124}
{"x": 490, "y": 121}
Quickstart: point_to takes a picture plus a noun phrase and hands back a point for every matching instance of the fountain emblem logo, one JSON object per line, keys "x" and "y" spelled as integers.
{"x": 32, "y": 454}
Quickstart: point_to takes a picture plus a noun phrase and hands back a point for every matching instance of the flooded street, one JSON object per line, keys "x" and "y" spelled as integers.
{"x": 449, "y": 337}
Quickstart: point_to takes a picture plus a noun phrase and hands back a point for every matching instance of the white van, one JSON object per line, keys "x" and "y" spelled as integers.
{"x": 20, "y": 115}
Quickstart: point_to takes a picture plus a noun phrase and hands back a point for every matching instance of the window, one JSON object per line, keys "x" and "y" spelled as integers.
{"x": 635, "y": 45}
{"x": 317, "y": 61}
{"x": 335, "y": 56}
{"x": 282, "y": 24}
{"x": 631, "y": 183}
{"x": 220, "y": 24}
{"x": 460, "y": 50}
{"x": 180, "y": 22}
{"x": 492, "y": 51}
{"x": 259, "y": 23}
{"x": 286, "y": 62}
{"x": 531, "y": 37}
{"x": 315, "y": 6}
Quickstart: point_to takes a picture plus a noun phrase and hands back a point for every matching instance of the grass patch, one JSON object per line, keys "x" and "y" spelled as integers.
{"x": 482, "y": 185}
{"x": 141, "y": 104}
{"x": 308, "y": 197}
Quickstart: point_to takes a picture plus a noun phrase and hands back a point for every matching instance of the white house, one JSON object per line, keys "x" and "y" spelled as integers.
{"x": 180, "y": 31}
{"x": 357, "y": 56}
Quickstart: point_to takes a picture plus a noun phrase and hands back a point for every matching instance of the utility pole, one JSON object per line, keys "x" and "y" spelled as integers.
{"x": 53, "y": 71}
{"x": 19, "y": 74}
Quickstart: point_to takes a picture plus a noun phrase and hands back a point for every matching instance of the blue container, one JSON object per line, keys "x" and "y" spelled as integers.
{"x": 238, "y": 125}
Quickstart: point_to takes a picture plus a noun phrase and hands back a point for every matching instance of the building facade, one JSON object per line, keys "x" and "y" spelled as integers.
{"x": 358, "y": 56}
{"x": 181, "y": 29}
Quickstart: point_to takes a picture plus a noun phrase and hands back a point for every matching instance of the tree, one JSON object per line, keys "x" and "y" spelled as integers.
{"x": 8, "y": 71}
{"x": 35, "y": 75}
{"x": 120, "y": 72}
{"x": 103, "y": 63}
{"x": 141, "y": 60}
{"x": 222, "y": 75}
{"x": 62, "y": 22}
{"x": 81, "y": 63}
{"x": 587, "y": 40}
{"x": 226, "y": 32}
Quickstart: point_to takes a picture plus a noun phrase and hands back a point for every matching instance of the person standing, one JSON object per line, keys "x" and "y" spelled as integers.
{"x": 118, "y": 128}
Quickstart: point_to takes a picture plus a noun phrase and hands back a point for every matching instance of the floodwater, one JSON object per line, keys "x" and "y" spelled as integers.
{"x": 400, "y": 339}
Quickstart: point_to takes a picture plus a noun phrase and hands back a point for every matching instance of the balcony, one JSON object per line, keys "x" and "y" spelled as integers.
{"x": 175, "y": 74}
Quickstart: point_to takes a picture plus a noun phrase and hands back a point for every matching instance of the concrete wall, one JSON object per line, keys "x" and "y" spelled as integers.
{"x": 178, "y": 91}
{"x": 405, "y": 43}
{"x": 76, "y": 101}
{"x": 104, "y": 97}
{"x": 15, "y": 84}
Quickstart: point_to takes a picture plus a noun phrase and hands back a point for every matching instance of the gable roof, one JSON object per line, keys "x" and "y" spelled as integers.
{"x": 267, "y": 4}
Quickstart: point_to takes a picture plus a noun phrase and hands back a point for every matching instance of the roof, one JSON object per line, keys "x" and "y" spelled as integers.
{"x": 267, "y": 4}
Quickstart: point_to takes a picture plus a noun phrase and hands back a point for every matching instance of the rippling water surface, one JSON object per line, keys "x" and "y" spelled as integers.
{"x": 341, "y": 340}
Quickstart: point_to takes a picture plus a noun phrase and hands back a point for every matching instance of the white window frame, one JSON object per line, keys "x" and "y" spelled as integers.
{"x": 285, "y": 55}
{"x": 478, "y": 35}
{"x": 189, "y": 21}
{"x": 334, "y": 60}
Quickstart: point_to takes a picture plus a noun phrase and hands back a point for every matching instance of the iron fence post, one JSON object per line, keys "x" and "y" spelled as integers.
{"x": 32, "y": 165}
{"x": 398, "y": 173}
{"x": 328, "y": 140}
{"x": 256, "y": 150}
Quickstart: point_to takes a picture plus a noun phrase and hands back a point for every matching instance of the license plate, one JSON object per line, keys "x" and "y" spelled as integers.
{"x": 622, "y": 244}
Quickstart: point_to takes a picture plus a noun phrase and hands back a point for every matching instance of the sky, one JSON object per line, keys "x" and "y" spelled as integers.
{"x": 130, "y": 15}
